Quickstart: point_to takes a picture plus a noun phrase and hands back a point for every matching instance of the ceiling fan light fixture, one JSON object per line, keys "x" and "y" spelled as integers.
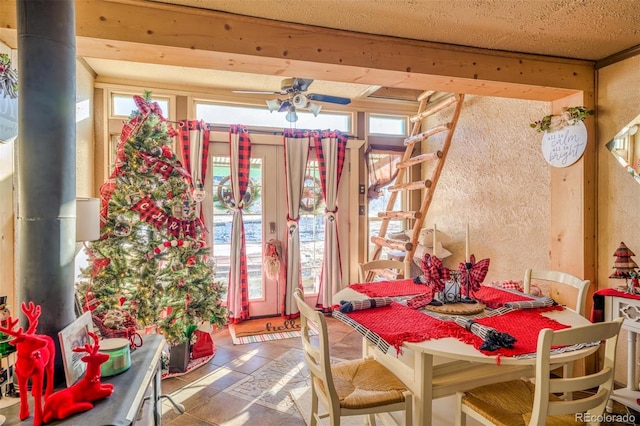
{"x": 291, "y": 116}
{"x": 274, "y": 104}
{"x": 300, "y": 101}
{"x": 314, "y": 108}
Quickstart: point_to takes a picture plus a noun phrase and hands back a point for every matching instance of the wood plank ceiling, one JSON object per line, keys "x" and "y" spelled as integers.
{"x": 352, "y": 48}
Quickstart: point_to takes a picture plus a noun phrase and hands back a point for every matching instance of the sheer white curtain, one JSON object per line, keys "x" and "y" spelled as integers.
{"x": 296, "y": 153}
{"x": 330, "y": 147}
{"x": 240, "y": 159}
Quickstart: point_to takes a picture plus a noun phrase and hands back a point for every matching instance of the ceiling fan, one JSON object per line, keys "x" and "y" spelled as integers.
{"x": 293, "y": 88}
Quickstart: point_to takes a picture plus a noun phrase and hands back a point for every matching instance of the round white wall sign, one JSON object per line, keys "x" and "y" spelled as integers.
{"x": 564, "y": 147}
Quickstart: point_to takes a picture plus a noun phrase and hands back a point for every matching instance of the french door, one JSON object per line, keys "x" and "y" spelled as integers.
{"x": 264, "y": 217}
{"x": 263, "y": 208}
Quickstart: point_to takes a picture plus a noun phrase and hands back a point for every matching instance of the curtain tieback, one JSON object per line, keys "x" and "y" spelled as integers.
{"x": 292, "y": 224}
{"x": 331, "y": 214}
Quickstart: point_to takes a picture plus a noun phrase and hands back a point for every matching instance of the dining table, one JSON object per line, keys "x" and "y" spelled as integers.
{"x": 435, "y": 356}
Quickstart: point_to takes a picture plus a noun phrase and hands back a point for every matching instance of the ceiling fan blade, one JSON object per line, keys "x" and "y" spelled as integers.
{"x": 284, "y": 106}
{"x": 258, "y": 92}
{"x": 301, "y": 84}
{"x": 328, "y": 98}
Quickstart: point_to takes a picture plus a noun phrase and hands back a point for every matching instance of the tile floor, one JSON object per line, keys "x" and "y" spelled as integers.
{"x": 224, "y": 391}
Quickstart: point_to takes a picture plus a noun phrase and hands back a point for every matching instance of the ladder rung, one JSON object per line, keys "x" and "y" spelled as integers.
{"x": 437, "y": 106}
{"x": 430, "y": 156}
{"x": 427, "y": 133}
{"x": 393, "y": 244}
{"x": 419, "y": 184}
{"x": 400, "y": 215}
{"x": 425, "y": 94}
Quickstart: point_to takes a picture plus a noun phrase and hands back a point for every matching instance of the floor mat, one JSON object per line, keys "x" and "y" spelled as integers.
{"x": 264, "y": 329}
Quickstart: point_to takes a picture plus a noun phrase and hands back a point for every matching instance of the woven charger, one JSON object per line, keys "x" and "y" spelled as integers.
{"x": 457, "y": 308}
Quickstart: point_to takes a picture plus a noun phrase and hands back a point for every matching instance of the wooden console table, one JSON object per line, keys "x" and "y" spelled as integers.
{"x": 130, "y": 387}
{"x": 629, "y": 309}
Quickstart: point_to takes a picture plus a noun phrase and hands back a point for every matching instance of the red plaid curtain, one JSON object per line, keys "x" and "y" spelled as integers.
{"x": 331, "y": 147}
{"x": 194, "y": 145}
{"x": 240, "y": 156}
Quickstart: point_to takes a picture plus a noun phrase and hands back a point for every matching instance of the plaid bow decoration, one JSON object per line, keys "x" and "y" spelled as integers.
{"x": 147, "y": 108}
{"x": 434, "y": 273}
{"x": 476, "y": 274}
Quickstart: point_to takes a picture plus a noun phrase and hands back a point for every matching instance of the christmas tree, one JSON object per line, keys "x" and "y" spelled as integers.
{"x": 624, "y": 266}
{"x": 151, "y": 260}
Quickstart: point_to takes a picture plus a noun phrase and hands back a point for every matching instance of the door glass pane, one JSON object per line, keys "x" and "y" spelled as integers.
{"x": 253, "y": 223}
{"x": 311, "y": 224}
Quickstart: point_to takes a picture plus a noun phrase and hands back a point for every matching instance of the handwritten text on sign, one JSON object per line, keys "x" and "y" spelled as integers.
{"x": 564, "y": 147}
{"x": 8, "y": 119}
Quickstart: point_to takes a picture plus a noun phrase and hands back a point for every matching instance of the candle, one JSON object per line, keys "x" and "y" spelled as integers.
{"x": 466, "y": 245}
{"x": 434, "y": 239}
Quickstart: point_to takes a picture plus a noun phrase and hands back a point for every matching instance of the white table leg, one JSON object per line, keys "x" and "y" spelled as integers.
{"x": 423, "y": 376}
{"x": 631, "y": 361}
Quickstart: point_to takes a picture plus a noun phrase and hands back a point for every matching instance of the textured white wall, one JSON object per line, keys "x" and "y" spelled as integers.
{"x": 496, "y": 179}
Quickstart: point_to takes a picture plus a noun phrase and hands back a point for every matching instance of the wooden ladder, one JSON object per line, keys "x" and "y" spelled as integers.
{"x": 430, "y": 102}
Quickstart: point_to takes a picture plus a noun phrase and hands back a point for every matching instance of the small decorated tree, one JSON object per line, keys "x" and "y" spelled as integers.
{"x": 151, "y": 260}
{"x": 624, "y": 266}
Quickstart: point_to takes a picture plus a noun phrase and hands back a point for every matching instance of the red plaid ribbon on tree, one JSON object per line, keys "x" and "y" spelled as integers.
{"x": 149, "y": 212}
{"x": 188, "y": 228}
{"x": 174, "y": 226}
{"x": 163, "y": 169}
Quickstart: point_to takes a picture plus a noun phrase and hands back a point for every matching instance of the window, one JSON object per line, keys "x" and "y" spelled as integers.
{"x": 387, "y": 125}
{"x": 123, "y": 105}
{"x": 382, "y": 174}
{"x": 261, "y": 117}
{"x": 311, "y": 225}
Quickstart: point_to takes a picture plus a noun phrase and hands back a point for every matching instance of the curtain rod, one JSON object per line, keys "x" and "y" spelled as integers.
{"x": 263, "y": 132}
{"x": 221, "y": 128}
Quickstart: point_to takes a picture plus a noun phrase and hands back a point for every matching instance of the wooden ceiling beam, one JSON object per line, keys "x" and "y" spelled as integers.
{"x": 150, "y": 32}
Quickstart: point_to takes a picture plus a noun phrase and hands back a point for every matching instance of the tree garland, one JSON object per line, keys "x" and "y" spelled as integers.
{"x": 569, "y": 117}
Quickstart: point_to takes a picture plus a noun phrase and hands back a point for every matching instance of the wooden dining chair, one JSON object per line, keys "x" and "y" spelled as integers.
{"x": 387, "y": 268}
{"x": 563, "y": 287}
{"x": 519, "y": 402}
{"x": 349, "y": 388}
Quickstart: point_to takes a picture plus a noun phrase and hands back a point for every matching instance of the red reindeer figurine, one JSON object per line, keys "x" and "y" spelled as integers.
{"x": 79, "y": 397}
{"x": 35, "y": 356}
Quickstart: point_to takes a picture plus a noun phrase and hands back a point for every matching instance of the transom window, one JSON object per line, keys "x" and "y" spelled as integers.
{"x": 261, "y": 117}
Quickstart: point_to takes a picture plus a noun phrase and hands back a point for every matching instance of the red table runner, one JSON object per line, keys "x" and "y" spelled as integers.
{"x": 397, "y": 323}
{"x": 490, "y": 296}
{"x": 390, "y": 288}
{"x": 597, "y": 312}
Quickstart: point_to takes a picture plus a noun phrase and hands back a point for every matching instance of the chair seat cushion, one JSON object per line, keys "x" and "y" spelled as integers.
{"x": 364, "y": 383}
{"x": 510, "y": 404}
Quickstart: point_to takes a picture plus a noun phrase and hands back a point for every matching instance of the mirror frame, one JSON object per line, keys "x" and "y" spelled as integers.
{"x": 625, "y": 147}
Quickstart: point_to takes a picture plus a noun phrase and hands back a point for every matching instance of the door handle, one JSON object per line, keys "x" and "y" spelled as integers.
{"x": 272, "y": 227}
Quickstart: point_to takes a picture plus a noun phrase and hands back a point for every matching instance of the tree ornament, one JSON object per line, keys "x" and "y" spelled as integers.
{"x": 122, "y": 227}
{"x": 156, "y": 151}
